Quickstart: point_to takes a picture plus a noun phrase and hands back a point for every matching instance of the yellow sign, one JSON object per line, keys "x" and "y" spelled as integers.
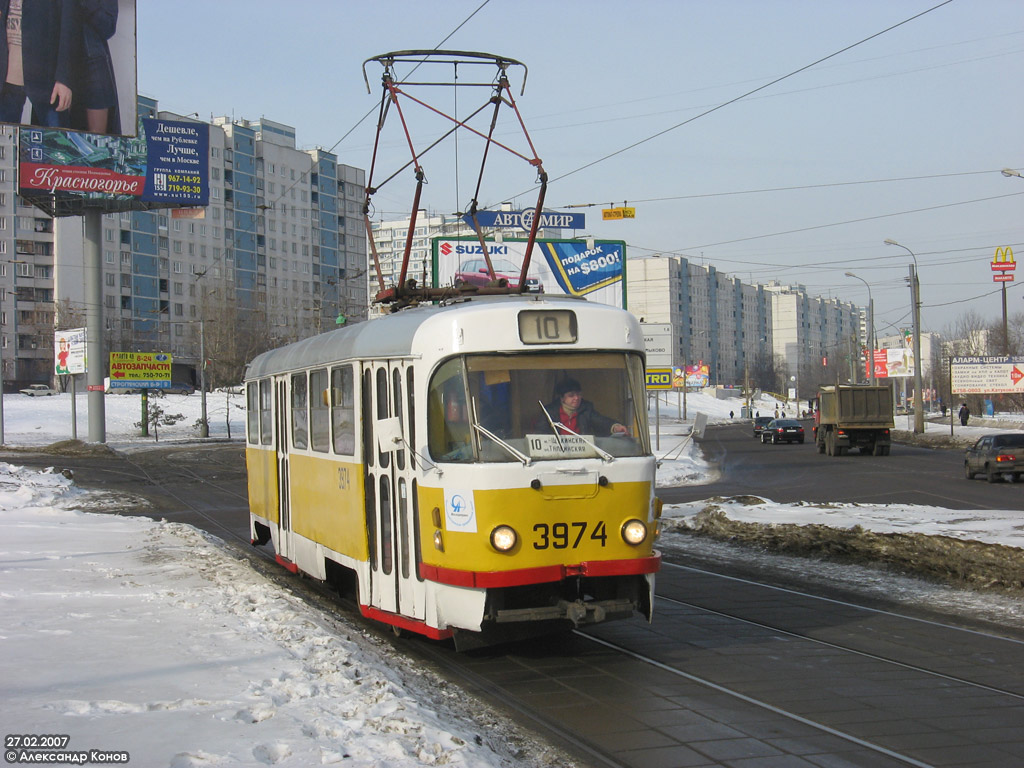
{"x": 136, "y": 367}
{"x": 608, "y": 214}
{"x": 658, "y": 378}
{"x": 1003, "y": 265}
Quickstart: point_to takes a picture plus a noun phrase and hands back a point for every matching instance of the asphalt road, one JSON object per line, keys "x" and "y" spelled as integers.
{"x": 795, "y": 472}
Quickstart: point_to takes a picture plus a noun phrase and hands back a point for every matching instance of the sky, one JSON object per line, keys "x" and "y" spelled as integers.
{"x": 886, "y": 133}
{"x": 150, "y": 637}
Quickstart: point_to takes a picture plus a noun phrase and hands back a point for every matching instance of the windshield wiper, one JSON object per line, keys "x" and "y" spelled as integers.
{"x": 515, "y": 454}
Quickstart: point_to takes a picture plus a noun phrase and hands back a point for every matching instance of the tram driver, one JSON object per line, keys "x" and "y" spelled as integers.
{"x": 575, "y": 415}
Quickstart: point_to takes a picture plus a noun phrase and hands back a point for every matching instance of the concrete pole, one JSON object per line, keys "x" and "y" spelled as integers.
{"x": 204, "y": 427}
{"x": 918, "y": 362}
{"x": 94, "y": 326}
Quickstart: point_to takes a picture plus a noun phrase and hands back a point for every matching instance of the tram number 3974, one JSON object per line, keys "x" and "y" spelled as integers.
{"x": 558, "y": 536}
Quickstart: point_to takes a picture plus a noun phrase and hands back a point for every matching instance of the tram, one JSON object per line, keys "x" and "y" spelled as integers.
{"x": 417, "y": 462}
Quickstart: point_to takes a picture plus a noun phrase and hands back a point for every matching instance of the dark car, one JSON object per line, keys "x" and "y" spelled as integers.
{"x": 474, "y": 272}
{"x": 760, "y": 422}
{"x": 996, "y": 457}
{"x": 783, "y": 431}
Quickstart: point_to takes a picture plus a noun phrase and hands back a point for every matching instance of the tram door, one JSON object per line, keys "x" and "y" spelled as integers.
{"x": 284, "y": 518}
{"x": 395, "y": 586}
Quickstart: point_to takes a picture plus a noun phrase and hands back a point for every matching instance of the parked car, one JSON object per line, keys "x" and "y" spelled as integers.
{"x": 783, "y": 431}
{"x": 474, "y": 272}
{"x": 38, "y": 390}
{"x": 760, "y": 422}
{"x": 177, "y": 388}
{"x": 996, "y": 457}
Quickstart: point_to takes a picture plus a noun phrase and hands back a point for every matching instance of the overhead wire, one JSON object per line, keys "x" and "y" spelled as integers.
{"x": 742, "y": 96}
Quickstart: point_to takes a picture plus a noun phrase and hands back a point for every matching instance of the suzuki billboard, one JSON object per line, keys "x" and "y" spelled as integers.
{"x": 556, "y": 266}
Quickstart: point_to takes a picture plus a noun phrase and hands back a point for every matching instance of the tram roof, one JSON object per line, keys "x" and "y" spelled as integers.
{"x": 388, "y": 336}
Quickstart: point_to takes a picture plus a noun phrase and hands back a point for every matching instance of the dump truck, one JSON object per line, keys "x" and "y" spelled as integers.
{"x": 853, "y": 416}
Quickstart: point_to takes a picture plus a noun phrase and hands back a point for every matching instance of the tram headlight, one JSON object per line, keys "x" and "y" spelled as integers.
{"x": 504, "y": 538}
{"x": 634, "y": 531}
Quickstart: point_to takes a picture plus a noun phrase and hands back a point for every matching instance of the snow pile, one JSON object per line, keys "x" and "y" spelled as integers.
{"x": 129, "y": 634}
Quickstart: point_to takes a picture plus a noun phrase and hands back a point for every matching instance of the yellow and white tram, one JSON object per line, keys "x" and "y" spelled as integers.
{"x": 416, "y": 462}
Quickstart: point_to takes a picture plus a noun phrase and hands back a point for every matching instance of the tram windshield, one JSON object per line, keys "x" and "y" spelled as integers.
{"x": 537, "y": 407}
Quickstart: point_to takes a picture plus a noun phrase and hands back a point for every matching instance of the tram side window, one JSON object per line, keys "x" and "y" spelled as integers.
{"x": 252, "y": 412}
{"x": 343, "y": 410}
{"x": 266, "y": 413}
{"x": 411, "y": 405}
{"x": 319, "y": 415}
{"x": 300, "y": 411}
{"x": 396, "y": 389}
{"x": 447, "y": 416}
{"x": 384, "y": 459}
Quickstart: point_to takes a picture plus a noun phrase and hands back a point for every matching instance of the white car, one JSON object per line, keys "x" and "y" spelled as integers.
{"x": 38, "y": 390}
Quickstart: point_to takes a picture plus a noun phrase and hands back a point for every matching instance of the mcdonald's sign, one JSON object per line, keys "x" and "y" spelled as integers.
{"x": 1003, "y": 265}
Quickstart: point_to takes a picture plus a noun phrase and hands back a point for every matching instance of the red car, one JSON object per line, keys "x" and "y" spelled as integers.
{"x": 474, "y": 272}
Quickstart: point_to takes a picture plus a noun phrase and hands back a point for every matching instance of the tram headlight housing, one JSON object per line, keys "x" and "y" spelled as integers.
{"x": 634, "y": 531}
{"x": 504, "y": 538}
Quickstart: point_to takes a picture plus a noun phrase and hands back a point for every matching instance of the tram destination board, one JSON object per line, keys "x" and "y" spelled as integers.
{"x": 987, "y": 375}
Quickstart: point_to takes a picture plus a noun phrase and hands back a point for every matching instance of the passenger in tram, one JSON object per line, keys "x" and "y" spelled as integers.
{"x": 571, "y": 411}
{"x": 456, "y": 423}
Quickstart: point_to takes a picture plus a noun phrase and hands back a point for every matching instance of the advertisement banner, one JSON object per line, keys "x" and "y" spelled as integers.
{"x": 77, "y": 64}
{"x": 556, "y": 266}
{"x": 69, "y": 355}
{"x": 168, "y": 164}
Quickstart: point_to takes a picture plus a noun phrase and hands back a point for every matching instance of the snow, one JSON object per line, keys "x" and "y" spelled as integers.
{"x": 150, "y": 637}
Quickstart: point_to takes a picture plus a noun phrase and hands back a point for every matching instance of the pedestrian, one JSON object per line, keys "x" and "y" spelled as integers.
{"x": 943, "y": 410}
{"x": 964, "y": 414}
{"x": 776, "y": 413}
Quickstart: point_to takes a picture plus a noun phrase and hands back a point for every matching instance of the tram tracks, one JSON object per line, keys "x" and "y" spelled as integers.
{"x": 781, "y": 667}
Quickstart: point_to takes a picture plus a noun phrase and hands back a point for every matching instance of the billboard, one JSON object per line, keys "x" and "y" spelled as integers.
{"x": 140, "y": 370}
{"x": 987, "y": 375}
{"x": 69, "y": 351}
{"x": 69, "y": 64}
{"x": 524, "y": 220}
{"x": 692, "y": 376}
{"x": 556, "y": 266}
{"x": 64, "y": 172}
{"x": 892, "y": 363}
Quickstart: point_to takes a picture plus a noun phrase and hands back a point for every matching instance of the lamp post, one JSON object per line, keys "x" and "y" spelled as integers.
{"x": 915, "y": 293}
{"x": 871, "y": 327}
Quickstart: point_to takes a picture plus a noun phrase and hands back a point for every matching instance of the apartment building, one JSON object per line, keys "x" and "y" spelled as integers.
{"x": 741, "y": 331}
{"x": 279, "y": 254}
{"x": 27, "y": 308}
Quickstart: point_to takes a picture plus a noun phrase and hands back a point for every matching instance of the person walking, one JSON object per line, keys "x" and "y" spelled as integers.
{"x": 964, "y": 413}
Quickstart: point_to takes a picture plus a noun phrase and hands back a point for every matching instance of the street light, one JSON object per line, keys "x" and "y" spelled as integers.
{"x": 871, "y": 326}
{"x": 1011, "y": 172}
{"x": 915, "y": 294}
